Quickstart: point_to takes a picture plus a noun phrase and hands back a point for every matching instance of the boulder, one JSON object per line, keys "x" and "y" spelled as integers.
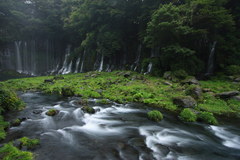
{"x": 17, "y": 144}
{"x": 94, "y": 75}
{"x": 194, "y": 91}
{"x": 140, "y": 77}
{"x": 133, "y": 78}
{"x": 128, "y": 84}
{"x": 88, "y": 109}
{"x": 227, "y": 94}
{"x": 237, "y": 80}
{"x": 167, "y": 83}
{"x": 127, "y": 74}
{"x": 120, "y": 73}
{"x": 167, "y": 75}
{"x": 191, "y": 80}
{"x": 58, "y": 77}
{"x": 231, "y": 77}
{"x": 37, "y": 111}
{"x": 206, "y": 90}
{"x": 184, "y": 101}
{"x": 48, "y": 81}
{"x": 194, "y": 111}
{"x": 236, "y": 98}
{"x": 52, "y": 112}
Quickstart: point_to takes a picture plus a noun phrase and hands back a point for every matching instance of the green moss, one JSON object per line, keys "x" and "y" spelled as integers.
{"x": 10, "y": 152}
{"x": 155, "y": 116}
{"x": 188, "y": 116}
{"x": 207, "y": 118}
{"x": 30, "y": 143}
{"x": 52, "y": 112}
{"x": 104, "y": 101}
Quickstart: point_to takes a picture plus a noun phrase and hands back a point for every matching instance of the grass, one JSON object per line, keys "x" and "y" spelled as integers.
{"x": 151, "y": 91}
{"x": 188, "y": 116}
{"x": 155, "y": 116}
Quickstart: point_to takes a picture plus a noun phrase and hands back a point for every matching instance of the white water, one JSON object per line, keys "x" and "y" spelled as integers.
{"x": 149, "y": 69}
{"x": 136, "y": 63}
{"x": 19, "y": 61}
{"x": 65, "y": 67}
{"x": 81, "y": 70}
{"x": 101, "y": 64}
{"x": 77, "y": 65}
{"x": 211, "y": 58}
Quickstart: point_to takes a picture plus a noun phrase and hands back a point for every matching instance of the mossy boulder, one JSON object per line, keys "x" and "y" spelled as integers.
{"x": 155, "y": 116}
{"x": 194, "y": 91}
{"x": 16, "y": 122}
{"x": 88, "y": 109}
{"x": 52, "y": 112}
{"x": 227, "y": 94}
{"x": 184, "y": 101}
{"x": 68, "y": 91}
{"x": 190, "y": 80}
{"x": 189, "y": 115}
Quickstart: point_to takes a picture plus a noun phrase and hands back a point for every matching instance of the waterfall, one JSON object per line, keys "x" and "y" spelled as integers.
{"x": 149, "y": 69}
{"x": 65, "y": 67}
{"x": 137, "y": 58}
{"x": 101, "y": 64}
{"x": 81, "y": 70}
{"x": 69, "y": 69}
{"x": 77, "y": 65}
{"x": 19, "y": 62}
{"x": 211, "y": 58}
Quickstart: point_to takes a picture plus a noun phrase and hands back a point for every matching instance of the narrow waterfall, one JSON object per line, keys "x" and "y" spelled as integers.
{"x": 149, "y": 69}
{"x": 69, "y": 69}
{"x": 101, "y": 64}
{"x": 81, "y": 70}
{"x": 77, "y": 65}
{"x": 136, "y": 63}
{"x": 65, "y": 67}
{"x": 19, "y": 61}
{"x": 211, "y": 58}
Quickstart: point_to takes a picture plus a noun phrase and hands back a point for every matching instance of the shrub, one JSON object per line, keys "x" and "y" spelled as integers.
{"x": 232, "y": 70}
{"x": 30, "y": 143}
{"x": 188, "y": 116}
{"x": 95, "y": 95}
{"x": 181, "y": 74}
{"x": 155, "y": 115}
{"x": 207, "y": 117}
{"x": 104, "y": 101}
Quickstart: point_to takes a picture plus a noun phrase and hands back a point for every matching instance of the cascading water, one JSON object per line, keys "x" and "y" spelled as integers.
{"x": 149, "y": 69}
{"x": 136, "y": 63}
{"x": 65, "y": 68}
{"x": 211, "y": 58}
{"x": 101, "y": 64}
{"x": 19, "y": 61}
{"x": 77, "y": 65}
{"x": 81, "y": 70}
{"x": 69, "y": 69}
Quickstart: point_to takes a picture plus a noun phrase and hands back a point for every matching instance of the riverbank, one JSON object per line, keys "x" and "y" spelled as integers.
{"x": 170, "y": 93}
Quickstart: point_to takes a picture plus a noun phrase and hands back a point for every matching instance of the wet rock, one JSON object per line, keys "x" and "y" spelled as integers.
{"x": 133, "y": 78}
{"x": 15, "y": 123}
{"x": 164, "y": 150}
{"x": 191, "y": 80}
{"x": 167, "y": 83}
{"x": 227, "y": 94}
{"x": 17, "y": 144}
{"x": 48, "y": 81}
{"x": 184, "y": 101}
{"x": 23, "y": 119}
{"x": 237, "y": 79}
{"x": 127, "y": 74}
{"x": 236, "y": 98}
{"x": 24, "y": 148}
{"x": 88, "y": 109}
{"x": 206, "y": 90}
{"x": 37, "y": 111}
{"x": 137, "y": 142}
{"x": 52, "y": 112}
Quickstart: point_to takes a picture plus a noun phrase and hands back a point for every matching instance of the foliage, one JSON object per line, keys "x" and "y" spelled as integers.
{"x": 188, "y": 116}
{"x": 155, "y": 115}
{"x": 52, "y": 112}
{"x": 181, "y": 74}
{"x": 207, "y": 118}
{"x": 232, "y": 70}
{"x": 3, "y": 125}
{"x": 30, "y": 143}
{"x": 104, "y": 101}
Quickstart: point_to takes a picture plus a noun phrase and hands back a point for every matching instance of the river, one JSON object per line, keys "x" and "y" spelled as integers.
{"x": 119, "y": 131}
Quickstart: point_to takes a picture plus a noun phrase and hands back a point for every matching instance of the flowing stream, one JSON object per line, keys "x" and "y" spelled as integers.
{"x": 118, "y": 131}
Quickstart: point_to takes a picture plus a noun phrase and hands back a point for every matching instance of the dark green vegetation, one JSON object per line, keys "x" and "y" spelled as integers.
{"x": 52, "y": 112}
{"x": 188, "y": 116}
{"x": 183, "y": 31}
{"x": 155, "y": 115}
{"x": 29, "y": 143}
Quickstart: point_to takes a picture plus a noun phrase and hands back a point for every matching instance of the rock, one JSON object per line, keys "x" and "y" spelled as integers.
{"x": 140, "y": 77}
{"x": 210, "y": 93}
{"x": 231, "y": 77}
{"x": 88, "y": 109}
{"x": 37, "y": 111}
{"x": 164, "y": 150}
{"x": 195, "y": 91}
{"x": 17, "y": 144}
{"x": 185, "y": 101}
{"x": 48, "y": 80}
{"x": 99, "y": 91}
{"x": 120, "y": 73}
{"x": 127, "y": 74}
{"x": 128, "y": 84}
{"x": 236, "y": 98}
{"x": 167, "y": 83}
{"x": 133, "y": 78}
{"x": 237, "y": 80}
{"x": 191, "y": 80}
{"x": 194, "y": 111}
{"x": 137, "y": 142}
{"x": 206, "y": 90}
{"x": 94, "y": 75}
{"x": 227, "y": 94}
{"x": 167, "y": 75}
{"x": 116, "y": 72}
{"x": 23, "y": 119}
{"x": 52, "y": 112}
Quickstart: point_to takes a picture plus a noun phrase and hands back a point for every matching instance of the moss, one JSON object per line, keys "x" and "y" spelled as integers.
{"x": 52, "y": 112}
{"x": 188, "y": 116}
{"x": 181, "y": 74}
{"x": 104, "y": 101}
{"x": 207, "y": 118}
{"x": 88, "y": 109}
{"x": 155, "y": 116}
